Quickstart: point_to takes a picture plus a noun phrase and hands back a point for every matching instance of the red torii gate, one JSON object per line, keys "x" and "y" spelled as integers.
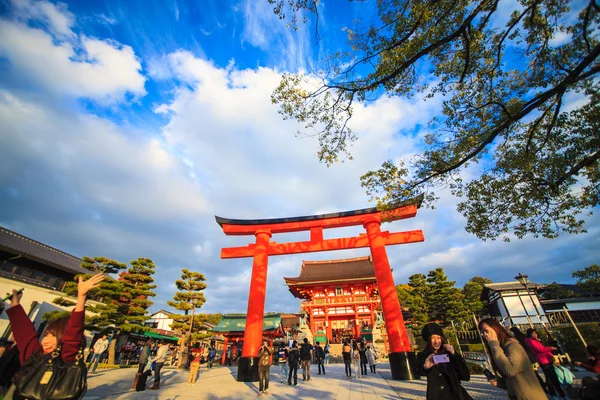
{"x": 401, "y": 357}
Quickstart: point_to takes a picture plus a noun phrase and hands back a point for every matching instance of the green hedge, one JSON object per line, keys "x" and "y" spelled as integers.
{"x": 570, "y": 341}
{"x": 474, "y": 369}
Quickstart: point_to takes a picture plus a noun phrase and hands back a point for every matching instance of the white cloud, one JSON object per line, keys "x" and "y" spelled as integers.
{"x": 55, "y": 16}
{"x": 103, "y": 164}
{"x": 87, "y": 67}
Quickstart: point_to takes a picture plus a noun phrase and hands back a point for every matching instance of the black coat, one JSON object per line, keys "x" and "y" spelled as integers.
{"x": 9, "y": 365}
{"x": 443, "y": 380}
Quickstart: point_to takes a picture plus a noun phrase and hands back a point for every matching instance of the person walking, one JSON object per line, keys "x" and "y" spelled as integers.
{"x": 442, "y": 365}
{"x": 212, "y": 353}
{"x": 305, "y": 356}
{"x": 194, "y": 367}
{"x": 99, "y": 347}
{"x": 65, "y": 333}
{"x": 320, "y": 357}
{"x": 229, "y": 356}
{"x": 283, "y": 367}
{"x": 510, "y": 360}
{"x": 371, "y": 359}
{"x": 356, "y": 359}
{"x": 264, "y": 368}
{"x": 545, "y": 358}
{"x": 327, "y": 348}
{"x": 362, "y": 351}
{"x": 347, "y": 356}
{"x": 293, "y": 360}
{"x": 159, "y": 360}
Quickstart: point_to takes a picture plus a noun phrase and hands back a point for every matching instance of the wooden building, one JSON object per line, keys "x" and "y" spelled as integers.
{"x": 339, "y": 296}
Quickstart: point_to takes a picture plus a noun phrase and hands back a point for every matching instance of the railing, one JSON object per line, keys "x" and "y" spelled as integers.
{"x": 581, "y": 316}
{"x": 340, "y": 300}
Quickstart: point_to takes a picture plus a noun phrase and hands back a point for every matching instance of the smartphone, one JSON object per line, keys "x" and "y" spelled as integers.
{"x": 441, "y": 358}
{"x": 489, "y": 374}
{"x": 9, "y": 296}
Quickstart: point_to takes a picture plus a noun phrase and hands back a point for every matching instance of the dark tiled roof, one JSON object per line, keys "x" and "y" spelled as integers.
{"x": 334, "y": 270}
{"x": 502, "y": 286}
{"x": 13, "y": 242}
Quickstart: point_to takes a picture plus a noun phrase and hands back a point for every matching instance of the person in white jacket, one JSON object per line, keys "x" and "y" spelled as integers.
{"x": 159, "y": 360}
{"x": 99, "y": 347}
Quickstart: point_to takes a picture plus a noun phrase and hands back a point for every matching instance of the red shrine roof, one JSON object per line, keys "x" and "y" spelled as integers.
{"x": 332, "y": 271}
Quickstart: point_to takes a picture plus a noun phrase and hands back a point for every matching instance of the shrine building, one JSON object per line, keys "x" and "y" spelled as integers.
{"x": 339, "y": 296}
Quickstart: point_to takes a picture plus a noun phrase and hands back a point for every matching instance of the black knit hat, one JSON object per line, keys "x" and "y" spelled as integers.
{"x": 431, "y": 329}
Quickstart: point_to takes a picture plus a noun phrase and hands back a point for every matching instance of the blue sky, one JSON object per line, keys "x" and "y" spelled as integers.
{"x": 126, "y": 126}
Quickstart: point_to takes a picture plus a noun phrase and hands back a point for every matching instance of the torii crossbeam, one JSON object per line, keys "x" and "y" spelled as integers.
{"x": 401, "y": 358}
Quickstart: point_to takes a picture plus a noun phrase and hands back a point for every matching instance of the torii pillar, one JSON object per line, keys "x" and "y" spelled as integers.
{"x": 401, "y": 358}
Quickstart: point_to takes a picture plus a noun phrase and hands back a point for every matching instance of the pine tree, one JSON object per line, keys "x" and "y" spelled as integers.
{"x": 446, "y": 302}
{"x": 472, "y": 292}
{"x": 413, "y": 296}
{"x": 189, "y": 297}
{"x": 108, "y": 314}
{"x": 137, "y": 285}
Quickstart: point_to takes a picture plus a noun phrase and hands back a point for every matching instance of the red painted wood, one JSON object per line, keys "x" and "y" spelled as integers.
{"x": 392, "y": 313}
{"x": 403, "y": 212}
{"x": 256, "y": 297}
{"x": 278, "y": 249}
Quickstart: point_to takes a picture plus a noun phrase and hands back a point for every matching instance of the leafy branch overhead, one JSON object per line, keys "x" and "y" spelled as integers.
{"x": 520, "y": 102}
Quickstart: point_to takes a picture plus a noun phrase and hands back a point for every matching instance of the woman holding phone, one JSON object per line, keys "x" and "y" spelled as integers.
{"x": 442, "y": 365}
{"x": 510, "y": 360}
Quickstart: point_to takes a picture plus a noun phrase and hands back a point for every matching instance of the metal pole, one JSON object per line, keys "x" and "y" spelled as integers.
{"x": 537, "y": 311}
{"x": 487, "y": 356}
{"x": 574, "y": 326}
{"x": 525, "y": 309}
{"x": 457, "y": 341}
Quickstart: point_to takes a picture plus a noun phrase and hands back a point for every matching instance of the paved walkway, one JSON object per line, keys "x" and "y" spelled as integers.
{"x": 220, "y": 383}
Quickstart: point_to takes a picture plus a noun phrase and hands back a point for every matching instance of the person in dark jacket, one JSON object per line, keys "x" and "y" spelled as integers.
{"x": 443, "y": 378}
{"x": 9, "y": 365}
{"x": 362, "y": 351}
{"x": 320, "y": 357}
{"x": 293, "y": 360}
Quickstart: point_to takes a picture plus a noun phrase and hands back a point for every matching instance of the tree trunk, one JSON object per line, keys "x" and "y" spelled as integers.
{"x": 183, "y": 349}
{"x": 112, "y": 348}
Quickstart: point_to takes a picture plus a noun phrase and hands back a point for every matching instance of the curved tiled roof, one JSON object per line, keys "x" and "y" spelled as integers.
{"x": 20, "y": 245}
{"x": 334, "y": 270}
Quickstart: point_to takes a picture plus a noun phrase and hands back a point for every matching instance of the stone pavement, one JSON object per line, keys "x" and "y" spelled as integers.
{"x": 220, "y": 383}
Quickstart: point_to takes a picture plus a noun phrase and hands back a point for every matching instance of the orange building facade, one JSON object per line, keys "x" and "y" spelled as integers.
{"x": 339, "y": 296}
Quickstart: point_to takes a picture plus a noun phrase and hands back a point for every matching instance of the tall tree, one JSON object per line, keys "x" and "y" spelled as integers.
{"x": 108, "y": 315}
{"x": 508, "y": 82}
{"x": 472, "y": 292}
{"x": 446, "y": 301}
{"x": 589, "y": 278}
{"x": 137, "y": 289}
{"x": 189, "y": 297}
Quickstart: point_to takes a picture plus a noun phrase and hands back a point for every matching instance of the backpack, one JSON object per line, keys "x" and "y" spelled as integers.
{"x": 565, "y": 376}
{"x": 327, "y": 349}
{"x": 293, "y": 357}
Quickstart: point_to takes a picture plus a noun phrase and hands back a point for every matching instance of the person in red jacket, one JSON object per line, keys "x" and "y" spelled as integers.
{"x": 594, "y": 360}
{"x": 545, "y": 358}
{"x": 64, "y": 332}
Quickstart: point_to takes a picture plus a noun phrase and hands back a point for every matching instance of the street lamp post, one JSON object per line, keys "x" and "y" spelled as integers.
{"x": 522, "y": 280}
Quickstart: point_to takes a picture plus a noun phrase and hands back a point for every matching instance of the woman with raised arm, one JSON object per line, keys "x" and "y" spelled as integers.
{"x": 65, "y": 332}
{"x": 510, "y": 360}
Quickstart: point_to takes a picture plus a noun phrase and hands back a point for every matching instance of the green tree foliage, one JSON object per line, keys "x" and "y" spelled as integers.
{"x": 434, "y": 297}
{"x": 520, "y": 98}
{"x": 589, "y": 278}
{"x": 472, "y": 292}
{"x": 189, "y": 297}
{"x": 447, "y": 302}
{"x": 137, "y": 289}
{"x": 63, "y": 301}
{"x": 54, "y": 315}
{"x": 556, "y": 291}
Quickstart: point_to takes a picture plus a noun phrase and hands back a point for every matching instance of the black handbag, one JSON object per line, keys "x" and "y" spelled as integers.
{"x": 50, "y": 378}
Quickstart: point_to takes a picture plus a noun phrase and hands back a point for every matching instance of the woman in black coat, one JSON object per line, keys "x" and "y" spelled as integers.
{"x": 443, "y": 378}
